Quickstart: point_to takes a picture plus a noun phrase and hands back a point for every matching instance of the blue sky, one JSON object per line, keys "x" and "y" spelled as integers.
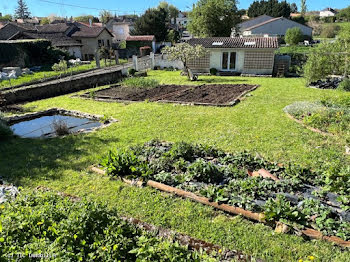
{"x": 43, "y": 8}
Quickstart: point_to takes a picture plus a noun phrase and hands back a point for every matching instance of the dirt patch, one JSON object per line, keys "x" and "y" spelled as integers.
{"x": 224, "y": 95}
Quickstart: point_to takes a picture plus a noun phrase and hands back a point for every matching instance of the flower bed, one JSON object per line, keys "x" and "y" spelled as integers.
{"x": 240, "y": 181}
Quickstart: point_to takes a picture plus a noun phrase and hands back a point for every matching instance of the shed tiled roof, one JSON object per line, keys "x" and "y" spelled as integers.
{"x": 236, "y": 42}
{"x": 140, "y": 38}
{"x": 11, "y": 29}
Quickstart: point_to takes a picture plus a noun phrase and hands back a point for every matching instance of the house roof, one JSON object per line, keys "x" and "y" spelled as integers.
{"x": 329, "y": 9}
{"x": 254, "y": 21}
{"x": 11, "y": 29}
{"x": 53, "y": 28}
{"x": 89, "y": 32}
{"x": 56, "y": 39}
{"x": 273, "y": 20}
{"x": 92, "y": 24}
{"x": 141, "y": 38}
{"x": 236, "y": 42}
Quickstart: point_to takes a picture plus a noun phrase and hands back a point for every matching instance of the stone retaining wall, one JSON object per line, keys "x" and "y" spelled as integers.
{"x": 63, "y": 86}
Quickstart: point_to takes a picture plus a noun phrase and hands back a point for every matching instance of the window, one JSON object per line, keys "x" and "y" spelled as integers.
{"x": 99, "y": 43}
{"x": 108, "y": 43}
{"x": 228, "y": 61}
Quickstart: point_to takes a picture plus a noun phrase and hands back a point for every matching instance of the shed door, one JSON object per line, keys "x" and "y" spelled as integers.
{"x": 228, "y": 61}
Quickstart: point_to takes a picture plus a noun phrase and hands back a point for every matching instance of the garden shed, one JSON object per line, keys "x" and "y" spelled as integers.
{"x": 246, "y": 55}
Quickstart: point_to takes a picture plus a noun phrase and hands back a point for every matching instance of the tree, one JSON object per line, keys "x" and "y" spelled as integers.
{"x": 214, "y": 18}
{"x": 344, "y": 14}
{"x": 271, "y": 7}
{"x": 172, "y": 10}
{"x": 293, "y": 8}
{"x": 184, "y": 52}
{"x": 105, "y": 16}
{"x": 294, "y": 36}
{"x": 173, "y": 36}
{"x": 86, "y": 18}
{"x": 45, "y": 21}
{"x": 303, "y": 7}
{"x": 329, "y": 58}
{"x": 153, "y": 22}
{"x": 5, "y": 18}
{"x": 22, "y": 11}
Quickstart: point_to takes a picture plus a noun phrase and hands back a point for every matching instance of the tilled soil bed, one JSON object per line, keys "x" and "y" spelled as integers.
{"x": 224, "y": 95}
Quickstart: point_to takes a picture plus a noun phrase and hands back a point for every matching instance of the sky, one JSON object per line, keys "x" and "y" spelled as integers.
{"x": 62, "y": 8}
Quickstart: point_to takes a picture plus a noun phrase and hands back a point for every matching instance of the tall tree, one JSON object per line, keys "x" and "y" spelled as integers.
{"x": 303, "y": 7}
{"x": 214, "y": 18}
{"x": 153, "y": 22}
{"x": 293, "y": 8}
{"x": 105, "y": 16}
{"x": 271, "y": 7}
{"x": 172, "y": 10}
{"x": 22, "y": 10}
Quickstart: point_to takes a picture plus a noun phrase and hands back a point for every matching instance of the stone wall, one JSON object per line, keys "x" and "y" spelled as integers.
{"x": 63, "y": 86}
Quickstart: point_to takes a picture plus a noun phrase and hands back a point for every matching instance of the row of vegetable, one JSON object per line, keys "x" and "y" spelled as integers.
{"x": 289, "y": 193}
{"x": 48, "y": 226}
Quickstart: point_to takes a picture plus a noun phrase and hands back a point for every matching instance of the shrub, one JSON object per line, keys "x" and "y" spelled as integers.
{"x": 330, "y": 31}
{"x": 132, "y": 71}
{"x": 5, "y": 130}
{"x": 61, "y": 66}
{"x": 213, "y": 71}
{"x": 140, "y": 82}
{"x": 344, "y": 85}
{"x": 61, "y": 128}
{"x": 294, "y": 36}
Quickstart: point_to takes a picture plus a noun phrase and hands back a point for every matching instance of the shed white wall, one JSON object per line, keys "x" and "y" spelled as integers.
{"x": 216, "y": 60}
{"x": 326, "y": 13}
{"x": 278, "y": 27}
{"x": 75, "y": 51}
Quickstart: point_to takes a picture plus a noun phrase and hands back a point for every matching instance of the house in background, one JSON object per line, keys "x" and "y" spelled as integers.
{"x": 120, "y": 28}
{"x": 327, "y": 12}
{"x": 270, "y": 26}
{"x": 235, "y": 55}
{"x": 80, "y": 40}
{"x": 182, "y": 20}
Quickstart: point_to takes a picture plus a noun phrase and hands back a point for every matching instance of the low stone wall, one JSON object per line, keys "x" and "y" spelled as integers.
{"x": 162, "y": 62}
{"x": 63, "y": 86}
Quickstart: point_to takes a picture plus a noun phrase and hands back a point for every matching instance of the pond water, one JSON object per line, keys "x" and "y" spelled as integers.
{"x": 44, "y": 126}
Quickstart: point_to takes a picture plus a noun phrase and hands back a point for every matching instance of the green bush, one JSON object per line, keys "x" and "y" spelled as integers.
{"x": 132, "y": 71}
{"x": 48, "y": 224}
{"x": 294, "y": 36}
{"x": 330, "y": 31}
{"x": 213, "y": 71}
{"x": 5, "y": 130}
{"x": 140, "y": 82}
{"x": 344, "y": 85}
{"x": 61, "y": 66}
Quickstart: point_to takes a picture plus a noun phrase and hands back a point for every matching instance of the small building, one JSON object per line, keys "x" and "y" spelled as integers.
{"x": 92, "y": 38}
{"x": 182, "y": 20}
{"x": 270, "y": 26}
{"x": 135, "y": 42}
{"x": 120, "y": 30}
{"x": 246, "y": 55}
{"x": 327, "y": 12}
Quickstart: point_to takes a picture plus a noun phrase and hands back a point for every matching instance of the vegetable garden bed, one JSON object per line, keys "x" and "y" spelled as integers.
{"x": 240, "y": 184}
{"x": 211, "y": 95}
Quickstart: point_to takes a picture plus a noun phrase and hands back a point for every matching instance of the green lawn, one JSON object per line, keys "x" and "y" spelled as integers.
{"x": 256, "y": 124}
{"x": 298, "y": 49}
{"x": 49, "y": 73}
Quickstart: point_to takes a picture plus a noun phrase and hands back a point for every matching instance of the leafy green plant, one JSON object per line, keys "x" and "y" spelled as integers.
{"x": 66, "y": 230}
{"x": 213, "y": 71}
{"x": 140, "y": 82}
{"x": 280, "y": 208}
{"x": 61, "y": 66}
{"x": 205, "y": 172}
{"x": 125, "y": 164}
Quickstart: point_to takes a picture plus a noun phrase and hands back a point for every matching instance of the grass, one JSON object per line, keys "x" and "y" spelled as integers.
{"x": 297, "y": 49}
{"x": 257, "y": 124}
{"x": 49, "y": 73}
